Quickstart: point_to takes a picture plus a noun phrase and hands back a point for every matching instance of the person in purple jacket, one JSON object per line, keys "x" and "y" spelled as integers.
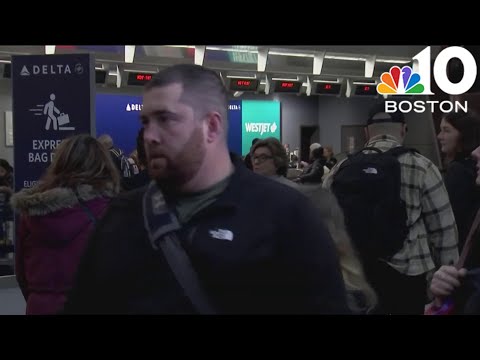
{"x": 56, "y": 219}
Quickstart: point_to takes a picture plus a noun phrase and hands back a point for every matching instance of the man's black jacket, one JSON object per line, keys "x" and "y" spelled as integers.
{"x": 280, "y": 258}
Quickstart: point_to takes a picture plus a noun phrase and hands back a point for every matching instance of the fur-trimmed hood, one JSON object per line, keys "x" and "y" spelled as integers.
{"x": 42, "y": 203}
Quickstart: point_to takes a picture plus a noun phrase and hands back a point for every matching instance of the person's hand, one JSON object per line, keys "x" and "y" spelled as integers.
{"x": 445, "y": 280}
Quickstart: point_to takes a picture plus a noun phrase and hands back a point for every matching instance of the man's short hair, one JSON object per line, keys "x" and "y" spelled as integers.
{"x": 378, "y": 115}
{"x": 203, "y": 89}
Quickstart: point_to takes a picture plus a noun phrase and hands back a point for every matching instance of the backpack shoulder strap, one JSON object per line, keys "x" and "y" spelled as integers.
{"x": 161, "y": 225}
{"x": 371, "y": 148}
{"x": 399, "y": 150}
{"x": 365, "y": 148}
{"x": 185, "y": 273}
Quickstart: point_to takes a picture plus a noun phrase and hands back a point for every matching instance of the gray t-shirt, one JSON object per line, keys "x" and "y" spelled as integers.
{"x": 187, "y": 205}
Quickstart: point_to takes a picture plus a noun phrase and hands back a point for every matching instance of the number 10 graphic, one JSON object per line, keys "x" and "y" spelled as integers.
{"x": 421, "y": 66}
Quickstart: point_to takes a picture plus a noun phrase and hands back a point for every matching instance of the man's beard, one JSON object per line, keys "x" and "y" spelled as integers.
{"x": 184, "y": 166}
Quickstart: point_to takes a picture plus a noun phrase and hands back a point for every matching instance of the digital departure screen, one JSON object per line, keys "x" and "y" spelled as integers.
{"x": 288, "y": 86}
{"x": 237, "y": 84}
{"x": 370, "y": 90}
{"x": 328, "y": 88}
{"x": 136, "y": 78}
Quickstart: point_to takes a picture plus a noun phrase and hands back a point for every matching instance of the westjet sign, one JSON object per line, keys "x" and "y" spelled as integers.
{"x": 262, "y": 128}
{"x": 250, "y": 119}
{"x": 260, "y": 119}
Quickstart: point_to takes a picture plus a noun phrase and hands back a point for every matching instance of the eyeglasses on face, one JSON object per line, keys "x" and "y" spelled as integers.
{"x": 261, "y": 158}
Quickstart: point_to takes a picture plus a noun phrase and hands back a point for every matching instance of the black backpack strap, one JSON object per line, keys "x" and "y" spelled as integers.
{"x": 399, "y": 150}
{"x": 185, "y": 274}
{"x": 362, "y": 150}
{"x": 161, "y": 224}
{"x": 395, "y": 151}
{"x": 371, "y": 148}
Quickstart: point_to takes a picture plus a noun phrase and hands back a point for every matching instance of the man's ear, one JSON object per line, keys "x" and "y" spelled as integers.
{"x": 214, "y": 126}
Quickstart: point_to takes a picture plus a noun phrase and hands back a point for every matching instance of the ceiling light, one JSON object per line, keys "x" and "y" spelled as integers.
{"x": 286, "y": 53}
{"x": 230, "y": 49}
{"x": 364, "y": 83}
{"x": 327, "y": 81}
{"x": 281, "y": 53}
{"x": 394, "y": 61}
{"x": 241, "y": 77}
{"x": 141, "y": 71}
{"x": 284, "y": 79}
{"x": 182, "y": 46}
{"x": 348, "y": 58}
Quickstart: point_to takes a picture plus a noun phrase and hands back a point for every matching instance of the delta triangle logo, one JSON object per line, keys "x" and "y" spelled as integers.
{"x": 24, "y": 71}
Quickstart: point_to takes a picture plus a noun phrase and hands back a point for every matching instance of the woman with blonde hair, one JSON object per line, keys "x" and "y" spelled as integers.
{"x": 56, "y": 219}
{"x": 331, "y": 161}
{"x": 361, "y": 296}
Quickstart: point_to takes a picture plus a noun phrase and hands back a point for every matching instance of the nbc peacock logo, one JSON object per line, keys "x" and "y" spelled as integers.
{"x": 400, "y": 82}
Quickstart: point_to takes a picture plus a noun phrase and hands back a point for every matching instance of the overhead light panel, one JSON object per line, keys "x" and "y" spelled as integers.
{"x": 281, "y": 53}
{"x": 241, "y": 77}
{"x": 285, "y": 79}
{"x": 394, "y": 61}
{"x": 231, "y": 49}
{"x": 182, "y": 46}
{"x": 140, "y": 71}
{"x": 365, "y": 83}
{"x": 345, "y": 57}
{"x": 326, "y": 81}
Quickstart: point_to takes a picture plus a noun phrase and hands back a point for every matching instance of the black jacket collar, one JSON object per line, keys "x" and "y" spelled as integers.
{"x": 230, "y": 198}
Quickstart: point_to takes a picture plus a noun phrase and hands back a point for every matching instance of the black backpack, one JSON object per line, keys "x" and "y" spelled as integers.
{"x": 367, "y": 188}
